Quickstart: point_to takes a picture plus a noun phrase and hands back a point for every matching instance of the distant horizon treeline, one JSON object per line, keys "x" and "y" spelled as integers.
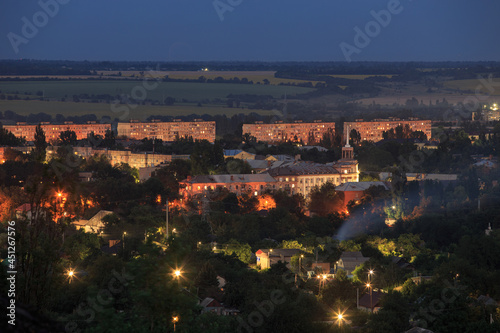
{"x": 73, "y": 67}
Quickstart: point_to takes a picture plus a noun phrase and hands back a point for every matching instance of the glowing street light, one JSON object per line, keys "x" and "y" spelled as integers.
{"x": 370, "y": 273}
{"x": 371, "y": 299}
{"x": 175, "y": 319}
{"x": 340, "y": 317}
{"x": 177, "y": 273}
{"x": 71, "y": 274}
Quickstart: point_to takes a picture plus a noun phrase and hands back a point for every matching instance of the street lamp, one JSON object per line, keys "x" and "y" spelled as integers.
{"x": 123, "y": 241}
{"x": 175, "y": 319}
{"x": 371, "y": 299}
{"x": 71, "y": 274}
{"x": 370, "y": 273}
{"x": 300, "y": 263}
{"x": 177, "y": 273}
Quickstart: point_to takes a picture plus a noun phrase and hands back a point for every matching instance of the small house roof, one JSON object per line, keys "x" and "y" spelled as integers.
{"x": 375, "y": 299}
{"x": 210, "y": 303}
{"x": 278, "y": 252}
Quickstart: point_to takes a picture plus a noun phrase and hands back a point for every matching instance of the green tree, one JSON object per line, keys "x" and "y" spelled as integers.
{"x": 68, "y": 137}
{"x": 242, "y": 251}
{"x": 206, "y": 280}
{"x": 40, "y": 144}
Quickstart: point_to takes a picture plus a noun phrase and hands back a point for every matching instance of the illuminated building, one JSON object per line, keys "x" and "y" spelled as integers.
{"x": 253, "y": 184}
{"x": 53, "y": 131}
{"x": 284, "y": 132}
{"x": 300, "y": 177}
{"x": 487, "y": 113}
{"x": 168, "y": 131}
{"x": 373, "y": 130}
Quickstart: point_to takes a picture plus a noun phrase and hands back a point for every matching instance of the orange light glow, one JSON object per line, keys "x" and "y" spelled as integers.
{"x": 266, "y": 202}
{"x": 158, "y": 199}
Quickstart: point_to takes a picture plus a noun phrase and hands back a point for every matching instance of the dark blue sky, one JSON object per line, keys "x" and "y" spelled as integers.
{"x": 169, "y": 30}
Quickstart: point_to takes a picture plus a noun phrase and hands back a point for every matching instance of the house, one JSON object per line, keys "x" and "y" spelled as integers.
{"x": 487, "y": 300}
{"x": 239, "y": 184}
{"x": 371, "y": 302}
{"x": 113, "y": 248}
{"x": 268, "y": 257}
{"x": 211, "y": 305}
{"x": 238, "y": 154}
{"x": 401, "y": 263}
{"x": 283, "y": 158}
{"x": 420, "y": 279}
{"x": 95, "y": 224}
{"x": 86, "y": 177}
{"x": 354, "y": 191}
{"x": 349, "y": 261}
{"x": 319, "y": 148}
{"x": 24, "y": 211}
{"x": 323, "y": 267}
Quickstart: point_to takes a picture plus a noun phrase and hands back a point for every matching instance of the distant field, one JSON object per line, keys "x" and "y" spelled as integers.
{"x": 426, "y": 99}
{"x": 359, "y": 77}
{"x": 255, "y": 76}
{"x": 473, "y": 84}
{"x": 101, "y": 109}
{"x": 178, "y": 90}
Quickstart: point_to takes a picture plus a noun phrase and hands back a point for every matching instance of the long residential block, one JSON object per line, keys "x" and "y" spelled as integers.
{"x": 168, "y": 131}
{"x": 373, "y": 130}
{"x": 53, "y": 131}
{"x": 308, "y": 133}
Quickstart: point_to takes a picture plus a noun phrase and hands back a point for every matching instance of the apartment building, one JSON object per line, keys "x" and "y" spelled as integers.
{"x": 373, "y": 130}
{"x": 53, "y": 131}
{"x": 168, "y": 131}
{"x": 292, "y": 177}
{"x": 283, "y": 132}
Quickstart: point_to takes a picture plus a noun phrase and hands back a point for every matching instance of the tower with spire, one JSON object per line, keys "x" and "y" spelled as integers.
{"x": 347, "y": 150}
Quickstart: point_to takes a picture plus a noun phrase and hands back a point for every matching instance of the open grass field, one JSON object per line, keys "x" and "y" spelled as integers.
{"x": 156, "y": 90}
{"x": 255, "y": 76}
{"x": 102, "y": 109}
{"x": 359, "y": 77}
{"x": 472, "y": 85}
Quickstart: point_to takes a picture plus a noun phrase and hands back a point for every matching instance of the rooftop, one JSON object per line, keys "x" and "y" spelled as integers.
{"x": 303, "y": 168}
{"x": 360, "y": 186}
{"x": 234, "y": 178}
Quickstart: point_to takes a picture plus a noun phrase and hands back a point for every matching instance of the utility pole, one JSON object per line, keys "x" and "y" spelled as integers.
{"x": 166, "y": 210}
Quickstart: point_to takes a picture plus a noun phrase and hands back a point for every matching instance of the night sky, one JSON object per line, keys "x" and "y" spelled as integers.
{"x": 299, "y": 30}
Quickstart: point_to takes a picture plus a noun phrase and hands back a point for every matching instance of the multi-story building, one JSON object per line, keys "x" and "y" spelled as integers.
{"x": 487, "y": 113}
{"x": 253, "y": 184}
{"x": 53, "y": 131}
{"x": 283, "y": 132}
{"x": 293, "y": 177}
{"x": 373, "y": 130}
{"x": 168, "y": 131}
{"x": 299, "y": 177}
{"x": 135, "y": 160}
